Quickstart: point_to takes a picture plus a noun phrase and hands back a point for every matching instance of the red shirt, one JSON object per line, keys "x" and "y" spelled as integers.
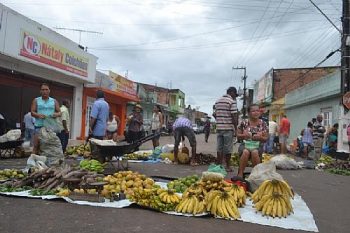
{"x": 284, "y": 126}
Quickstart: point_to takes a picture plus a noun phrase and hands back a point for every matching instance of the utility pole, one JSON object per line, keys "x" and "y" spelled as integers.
{"x": 244, "y": 78}
{"x": 345, "y": 48}
{"x": 78, "y": 30}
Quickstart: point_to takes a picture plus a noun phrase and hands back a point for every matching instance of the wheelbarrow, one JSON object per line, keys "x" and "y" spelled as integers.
{"x": 119, "y": 150}
{"x": 8, "y": 149}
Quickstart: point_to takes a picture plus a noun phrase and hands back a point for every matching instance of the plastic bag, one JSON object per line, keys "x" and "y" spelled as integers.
{"x": 217, "y": 168}
{"x": 50, "y": 146}
{"x": 156, "y": 153}
{"x": 168, "y": 148}
{"x": 262, "y": 172}
{"x": 36, "y": 162}
{"x": 13, "y": 135}
{"x": 52, "y": 124}
{"x": 284, "y": 162}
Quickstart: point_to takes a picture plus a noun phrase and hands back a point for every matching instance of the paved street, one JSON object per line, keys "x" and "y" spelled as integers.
{"x": 326, "y": 195}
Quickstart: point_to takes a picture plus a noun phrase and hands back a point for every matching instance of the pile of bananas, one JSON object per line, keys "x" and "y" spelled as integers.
{"x": 268, "y": 187}
{"x": 326, "y": 159}
{"x": 238, "y": 193}
{"x": 156, "y": 198}
{"x": 222, "y": 204}
{"x": 234, "y": 161}
{"x": 82, "y": 149}
{"x": 191, "y": 204}
{"x": 275, "y": 205}
{"x": 137, "y": 156}
{"x": 91, "y": 165}
{"x": 180, "y": 185}
{"x": 11, "y": 174}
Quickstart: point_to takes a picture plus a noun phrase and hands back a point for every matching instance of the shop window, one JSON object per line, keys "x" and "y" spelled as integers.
{"x": 327, "y": 116}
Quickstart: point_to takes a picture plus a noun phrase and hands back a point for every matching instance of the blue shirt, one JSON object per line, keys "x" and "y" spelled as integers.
{"x": 100, "y": 111}
{"x": 46, "y": 107}
{"x": 29, "y": 121}
{"x": 182, "y": 122}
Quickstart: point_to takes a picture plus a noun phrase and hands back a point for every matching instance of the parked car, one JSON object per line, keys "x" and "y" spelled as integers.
{"x": 195, "y": 128}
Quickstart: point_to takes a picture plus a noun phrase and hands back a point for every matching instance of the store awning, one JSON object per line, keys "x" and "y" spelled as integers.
{"x": 109, "y": 94}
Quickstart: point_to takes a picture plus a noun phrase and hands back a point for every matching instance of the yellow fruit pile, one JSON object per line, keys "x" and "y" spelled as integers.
{"x": 191, "y": 204}
{"x": 11, "y": 173}
{"x": 238, "y": 194}
{"x": 266, "y": 157}
{"x": 222, "y": 204}
{"x": 273, "y": 198}
{"x": 82, "y": 149}
{"x": 125, "y": 182}
{"x": 156, "y": 198}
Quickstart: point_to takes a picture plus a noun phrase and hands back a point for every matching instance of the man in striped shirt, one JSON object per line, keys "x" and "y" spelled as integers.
{"x": 183, "y": 127}
{"x": 226, "y": 115}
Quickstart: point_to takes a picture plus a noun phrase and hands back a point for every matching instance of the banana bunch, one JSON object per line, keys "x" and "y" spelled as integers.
{"x": 238, "y": 194}
{"x": 266, "y": 157}
{"x": 168, "y": 196}
{"x": 191, "y": 205}
{"x": 222, "y": 204}
{"x": 213, "y": 185}
{"x": 195, "y": 189}
{"x": 275, "y": 205}
{"x": 268, "y": 187}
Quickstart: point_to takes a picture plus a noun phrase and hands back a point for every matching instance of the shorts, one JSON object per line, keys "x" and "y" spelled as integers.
{"x": 283, "y": 139}
{"x": 242, "y": 147}
{"x": 224, "y": 141}
{"x": 184, "y": 131}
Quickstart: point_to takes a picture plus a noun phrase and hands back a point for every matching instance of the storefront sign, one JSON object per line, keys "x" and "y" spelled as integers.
{"x": 123, "y": 85}
{"x": 41, "y": 50}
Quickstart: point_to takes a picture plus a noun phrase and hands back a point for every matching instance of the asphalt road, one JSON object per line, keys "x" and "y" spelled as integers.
{"x": 326, "y": 195}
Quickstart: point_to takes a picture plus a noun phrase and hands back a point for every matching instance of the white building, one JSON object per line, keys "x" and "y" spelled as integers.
{"x": 31, "y": 54}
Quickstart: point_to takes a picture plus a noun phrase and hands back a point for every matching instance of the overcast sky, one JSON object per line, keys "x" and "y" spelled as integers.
{"x": 193, "y": 44}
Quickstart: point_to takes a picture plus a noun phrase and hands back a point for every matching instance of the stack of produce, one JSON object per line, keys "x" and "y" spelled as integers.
{"x": 82, "y": 149}
{"x": 138, "y": 156}
{"x": 180, "y": 185}
{"x": 222, "y": 204}
{"x": 338, "y": 167}
{"x": 273, "y": 198}
{"x": 125, "y": 182}
{"x": 91, "y": 165}
{"x": 234, "y": 160}
{"x": 11, "y": 174}
{"x": 325, "y": 159}
{"x": 157, "y": 198}
{"x": 191, "y": 204}
{"x": 169, "y": 156}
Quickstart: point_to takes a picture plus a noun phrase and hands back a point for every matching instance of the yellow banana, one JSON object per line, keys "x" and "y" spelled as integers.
{"x": 214, "y": 205}
{"x": 279, "y": 208}
{"x": 225, "y": 206}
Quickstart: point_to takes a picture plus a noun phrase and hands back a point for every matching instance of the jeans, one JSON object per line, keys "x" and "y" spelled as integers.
{"x": 269, "y": 144}
{"x": 29, "y": 135}
{"x": 63, "y": 136}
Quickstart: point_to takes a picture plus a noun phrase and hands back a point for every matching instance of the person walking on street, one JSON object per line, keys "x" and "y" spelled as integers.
{"x": 156, "y": 124}
{"x": 29, "y": 127}
{"x": 273, "y": 132}
{"x": 284, "y": 133}
{"x": 43, "y": 107}
{"x": 207, "y": 129}
{"x": 254, "y": 132}
{"x": 99, "y": 117}
{"x": 64, "y": 123}
{"x": 112, "y": 127}
{"x": 318, "y": 136}
{"x": 226, "y": 115}
{"x": 135, "y": 120}
{"x": 307, "y": 140}
{"x": 183, "y": 127}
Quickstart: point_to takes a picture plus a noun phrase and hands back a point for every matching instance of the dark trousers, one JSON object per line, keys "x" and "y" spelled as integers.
{"x": 63, "y": 136}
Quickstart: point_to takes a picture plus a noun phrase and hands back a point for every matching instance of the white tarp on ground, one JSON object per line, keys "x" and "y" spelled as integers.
{"x": 302, "y": 219}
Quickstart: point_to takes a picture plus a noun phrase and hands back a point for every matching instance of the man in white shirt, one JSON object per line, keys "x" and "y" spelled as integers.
{"x": 29, "y": 121}
{"x": 64, "y": 122}
{"x": 273, "y": 129}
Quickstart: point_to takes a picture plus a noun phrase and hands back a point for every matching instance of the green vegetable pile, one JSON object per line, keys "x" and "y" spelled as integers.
{"x": 41, "y": 192}
{"x": 182, "y": 184}
{"x": 8, "y": 188}
{"x": 91, "y": 165}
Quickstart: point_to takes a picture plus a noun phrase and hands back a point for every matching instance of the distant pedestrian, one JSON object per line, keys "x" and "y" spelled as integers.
{"x": 29, "y": 127}
{"x": 112, "y": 127}
{"x": 226, "y": 115}
{"x": 135, "y": 122}
{"x": 183, "y": 127}
{"x": 206, "y": 129}
{"x": 307, "y": 139}
{"x": 99, "y": 117}
{"x": 318, "y": 135}
{"x": 284, "y": 133}
{"x": 156, "y": 124}
{"x": 64, "y": 123}
{"x": 273, "y": 132}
